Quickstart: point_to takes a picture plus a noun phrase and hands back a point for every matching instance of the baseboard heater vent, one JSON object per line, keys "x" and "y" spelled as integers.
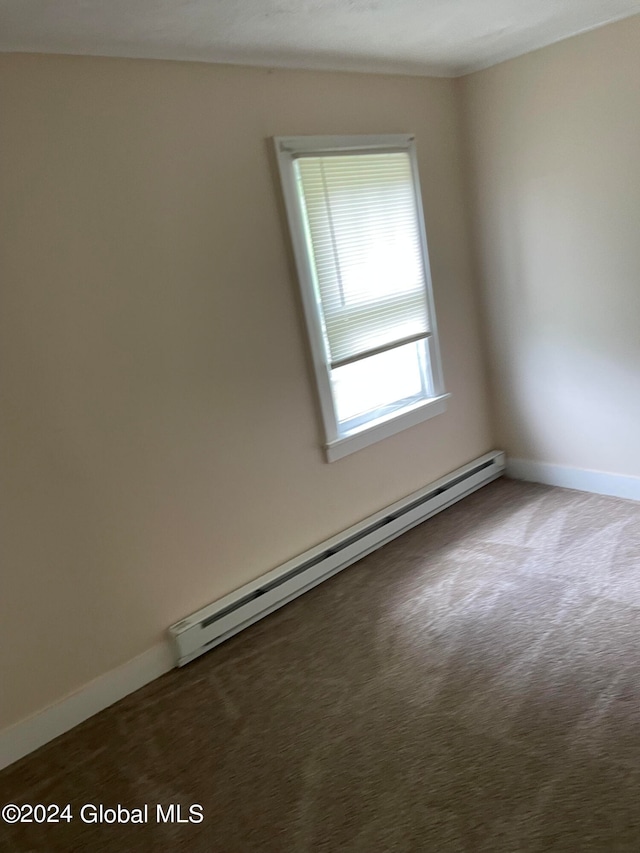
{"x": 212, "y": 625}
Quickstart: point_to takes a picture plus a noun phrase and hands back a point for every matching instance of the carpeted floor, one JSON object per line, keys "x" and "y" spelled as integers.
{"x": 473, "y": 686}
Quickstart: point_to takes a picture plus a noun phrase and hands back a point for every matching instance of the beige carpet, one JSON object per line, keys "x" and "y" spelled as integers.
{"x": 473, "y": 686}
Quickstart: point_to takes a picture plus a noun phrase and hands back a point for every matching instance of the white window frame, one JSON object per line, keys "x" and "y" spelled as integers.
{"x": 287, "y": 149}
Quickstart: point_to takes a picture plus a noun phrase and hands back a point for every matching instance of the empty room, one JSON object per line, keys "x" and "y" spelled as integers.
{"x": 320, "y": 426}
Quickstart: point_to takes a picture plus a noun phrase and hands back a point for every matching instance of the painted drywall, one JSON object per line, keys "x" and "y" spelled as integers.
{"x": 159, "y": 431}
{"x": 553, "y": 148}
{"x": 426, "y": 37}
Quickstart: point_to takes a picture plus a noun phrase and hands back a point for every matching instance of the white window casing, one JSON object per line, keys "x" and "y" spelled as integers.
{"x": 357, "y": 227}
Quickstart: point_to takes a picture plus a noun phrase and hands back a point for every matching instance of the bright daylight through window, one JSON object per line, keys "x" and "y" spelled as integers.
{"x": 356, "y": 222}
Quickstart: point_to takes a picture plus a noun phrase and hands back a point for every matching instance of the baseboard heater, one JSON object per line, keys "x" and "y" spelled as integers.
{"x": 216, "y": 623}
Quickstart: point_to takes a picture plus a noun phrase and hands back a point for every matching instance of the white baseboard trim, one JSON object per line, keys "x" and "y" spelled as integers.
{"x": 30, "y": 734}
{"x": 598, "y": 482}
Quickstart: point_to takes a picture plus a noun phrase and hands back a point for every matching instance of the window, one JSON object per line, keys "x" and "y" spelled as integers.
{"x": 355, "y": 216}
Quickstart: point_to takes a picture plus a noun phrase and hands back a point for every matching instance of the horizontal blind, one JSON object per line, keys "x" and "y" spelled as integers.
{"x": 363, "y": 237}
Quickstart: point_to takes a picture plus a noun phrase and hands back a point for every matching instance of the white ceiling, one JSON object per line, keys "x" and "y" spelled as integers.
{"x": 441, "y": 37}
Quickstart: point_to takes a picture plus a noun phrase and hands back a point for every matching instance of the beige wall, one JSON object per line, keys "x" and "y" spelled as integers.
{"x": 554, "y": 148}
{"x": 159, "y": 434}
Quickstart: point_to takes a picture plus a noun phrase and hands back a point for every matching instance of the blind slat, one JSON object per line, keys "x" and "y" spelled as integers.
{"x": 364, "y": 238}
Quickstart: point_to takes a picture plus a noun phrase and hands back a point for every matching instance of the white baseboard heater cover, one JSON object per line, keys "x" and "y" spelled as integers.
{"x": 216, "y": 623}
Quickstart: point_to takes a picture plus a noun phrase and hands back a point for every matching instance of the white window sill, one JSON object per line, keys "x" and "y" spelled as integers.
{"x": 393, "y": 424}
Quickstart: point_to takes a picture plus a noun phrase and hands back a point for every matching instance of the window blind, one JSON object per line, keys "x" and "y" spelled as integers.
{"x": 363, "y": 237}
